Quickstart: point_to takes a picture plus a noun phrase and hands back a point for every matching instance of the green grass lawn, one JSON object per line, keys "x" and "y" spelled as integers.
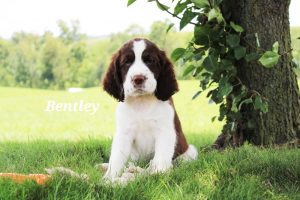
{"x": 23, "y": 116}
{"x": 32, "y": 139}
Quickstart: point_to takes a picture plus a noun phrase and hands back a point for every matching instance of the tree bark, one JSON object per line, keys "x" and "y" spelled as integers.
{"x": 269, "y": 21}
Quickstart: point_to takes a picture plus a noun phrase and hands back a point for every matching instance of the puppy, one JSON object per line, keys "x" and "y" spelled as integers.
{"x": 142, "y": 79}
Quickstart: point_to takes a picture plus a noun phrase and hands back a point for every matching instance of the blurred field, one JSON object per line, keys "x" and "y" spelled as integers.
{"x": 23, "y": 116}
{"x": 32, "y": 140}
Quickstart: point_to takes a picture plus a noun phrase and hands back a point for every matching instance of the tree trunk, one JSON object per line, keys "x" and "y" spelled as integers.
{"x": 269, "y": 20}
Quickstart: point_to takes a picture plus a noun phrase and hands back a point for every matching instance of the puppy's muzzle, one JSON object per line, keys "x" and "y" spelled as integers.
{"x": 138, "y": 81}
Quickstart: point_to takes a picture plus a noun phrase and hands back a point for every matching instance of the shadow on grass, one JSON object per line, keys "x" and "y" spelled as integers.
{"x": 35, "y": 156}
{"x": 244, "y": 173}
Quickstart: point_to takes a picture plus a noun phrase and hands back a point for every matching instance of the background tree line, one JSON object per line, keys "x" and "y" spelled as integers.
{"x": 72, "y": 59}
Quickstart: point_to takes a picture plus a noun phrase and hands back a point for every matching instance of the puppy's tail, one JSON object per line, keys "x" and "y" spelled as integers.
{"x": 190, "y": 154}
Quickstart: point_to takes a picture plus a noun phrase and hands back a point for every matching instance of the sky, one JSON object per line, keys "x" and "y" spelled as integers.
{"x": 96, "y": 17}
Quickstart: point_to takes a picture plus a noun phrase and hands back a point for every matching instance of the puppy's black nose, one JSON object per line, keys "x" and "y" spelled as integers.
{"x": 138, "y": 80}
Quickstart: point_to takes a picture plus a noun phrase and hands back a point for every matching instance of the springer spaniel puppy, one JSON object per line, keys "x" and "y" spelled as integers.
{"x": 142, "y": 79}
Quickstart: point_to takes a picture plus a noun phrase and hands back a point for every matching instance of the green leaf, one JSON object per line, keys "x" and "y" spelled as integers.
{"x": 200, "y": 3}
{"x": 260, "y": 105}
{"x": 233, "y": 40}
{"x": 236, "y": 27}
{"x": 269, "y": 59}
{"x": 210, "y": 63}
{"x": 275, "y": 47}
{"x": 257, "y": 102}
{"x": 226, "y": 63}
{"x": 197, "y": 71}
{"x": 223, "y": 111}
{"x": 196, "y": 95}
{"x": 233, "y": 126}
{"x": 213, "y": 118}
{"x": 130, "y": 2}
{"x": 177, "y": 53}
{"x": 298, "y": 38}
{"x": 198, "y": 56}
{"x": 169, "y": 27}
{"x": 217, "y": 2}
{"x": 220, "y": 18}
{"x": 187, "y": 17}
{"x": 180, "y": 7}
{"x": 239, "y": 52}
{"x": 216, "y": 97}
{"x": 224, "y": 88}
{"x": 215, "y": 34}
{"x": 162, "y": 6}
{"x": 234, "y": 107}
{"x": 188, "y": 55}
{"x": 188, "y": 70}
{"x": 205, "y": 80}
{"x": 245, "y": 101}
{"x": 201, "y": 35}
{"x": 251, "y": 57}
{"x": 295, "y": 63}
{"x": 215, "y": 14}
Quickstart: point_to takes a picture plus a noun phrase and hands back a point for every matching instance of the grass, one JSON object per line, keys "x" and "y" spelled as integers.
{"x": 23, "y": 115}
{"x": 32, "y": 139}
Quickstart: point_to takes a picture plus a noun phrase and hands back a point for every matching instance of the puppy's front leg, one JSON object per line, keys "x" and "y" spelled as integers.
{"x": 165, "y": 141}
{"x": 121, "y": 148}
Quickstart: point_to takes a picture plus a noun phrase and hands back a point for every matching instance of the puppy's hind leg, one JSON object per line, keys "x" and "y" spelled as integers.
{"x": 190, "y": 154}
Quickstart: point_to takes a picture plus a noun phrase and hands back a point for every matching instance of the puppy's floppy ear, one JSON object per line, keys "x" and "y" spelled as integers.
{"x": 112, "y": 82}
{"x": 166, "y": 80}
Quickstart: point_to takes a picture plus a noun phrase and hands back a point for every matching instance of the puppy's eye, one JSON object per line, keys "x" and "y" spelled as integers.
{"x": 148, "y": 60}
{"x": 128, "y": 62}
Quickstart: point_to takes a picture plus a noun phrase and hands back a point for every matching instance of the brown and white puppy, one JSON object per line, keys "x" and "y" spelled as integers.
{"x": 142, "y": 79}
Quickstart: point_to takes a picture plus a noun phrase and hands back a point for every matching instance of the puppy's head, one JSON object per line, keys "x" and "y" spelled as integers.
{"x": 140, "y": 68}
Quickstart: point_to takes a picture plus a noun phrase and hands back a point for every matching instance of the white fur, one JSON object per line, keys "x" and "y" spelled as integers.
{"x": 190, "y": 154}
{"x": 139, "y": 68}
{"x": 145, "y": 124}
{"x": 145, "y": 128}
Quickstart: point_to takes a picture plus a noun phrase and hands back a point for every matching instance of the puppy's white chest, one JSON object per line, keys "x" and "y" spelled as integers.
{"x": 145, "y": 121}
{"x": 144, "y": 143}
{"x": 144, "y": 126}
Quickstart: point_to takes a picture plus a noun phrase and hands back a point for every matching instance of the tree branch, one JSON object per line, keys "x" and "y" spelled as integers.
{"x": 196, "y": 24}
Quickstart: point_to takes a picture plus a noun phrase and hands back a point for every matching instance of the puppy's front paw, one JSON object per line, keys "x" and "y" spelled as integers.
{"x": 109, "y": 179}
{"x": 102, "y": 167}
{"x": 109, "y": 175}
{"x": 159, "y": 166}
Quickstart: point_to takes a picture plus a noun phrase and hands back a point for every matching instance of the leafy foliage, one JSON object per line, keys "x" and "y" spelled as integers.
{"x": 71, "y": 59}
{"x": 269, "y": 59}
{"x": 213, "y": 56}
{"x": 47, "y": 61}
{"x": 130, "y": 2}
